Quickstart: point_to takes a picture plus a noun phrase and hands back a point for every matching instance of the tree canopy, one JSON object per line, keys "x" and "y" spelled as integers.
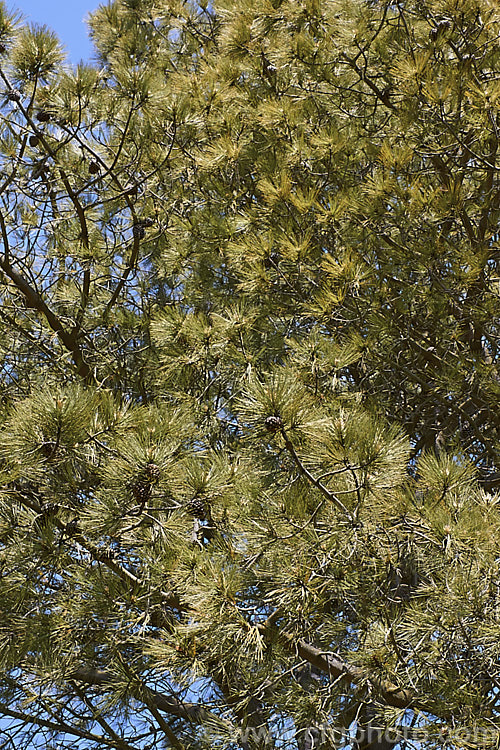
{"x": 249, "y": 337}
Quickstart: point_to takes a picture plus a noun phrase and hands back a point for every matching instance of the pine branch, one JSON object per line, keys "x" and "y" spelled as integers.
{"x": 60, "y": 726}
{"x": 251, "y": 714}
{"x": 35, "y": 300}
{"x": 168, "y": 598}
{"x": 336, "y": 668}
{"x": 134, "y": 255}
{"x": 190, "y": 712}
{"x": 174, "y": 741}
{"x": 97, "y": 715}
{"x": 316, "y": 482}
{"x": 382, "y": 96}
{"x": 32, "y": 339}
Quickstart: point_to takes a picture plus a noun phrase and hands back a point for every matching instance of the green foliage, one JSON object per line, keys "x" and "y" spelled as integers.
{"x": 249, "y": 459}
{"x": 36, "y": 55}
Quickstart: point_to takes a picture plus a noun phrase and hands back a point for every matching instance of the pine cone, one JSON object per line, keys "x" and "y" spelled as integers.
{"x": 196, "y": 507}
{"x": 72, "y": 527}
{"x": 271, "y": 261}
{"x": 138, "y": 231}
{"x": 141, "y": 491}
{"x": 153, "y": 472}
{"x": 49, "y": 449}
{"x": 273, "y": 423}
{"x": 43, "y": 116}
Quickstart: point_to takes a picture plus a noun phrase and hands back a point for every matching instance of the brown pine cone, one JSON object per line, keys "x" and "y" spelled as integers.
{"x": 196, "y": 507}
{"x": 13, "y": 95}
{"x": 141, "y": 491}
{"x": 152, "y": 472}
{"x": 42, "y": 116}
{"x": 273, "y": 423}
{"x": 72, "y": 528}
{"x": 50, "y": 449}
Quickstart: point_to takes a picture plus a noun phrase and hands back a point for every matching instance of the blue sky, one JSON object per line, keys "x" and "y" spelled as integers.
{"x": 66, "y": 18}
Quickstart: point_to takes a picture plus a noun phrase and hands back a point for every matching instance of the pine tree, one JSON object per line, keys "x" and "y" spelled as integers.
{"x": 249, "y": 285}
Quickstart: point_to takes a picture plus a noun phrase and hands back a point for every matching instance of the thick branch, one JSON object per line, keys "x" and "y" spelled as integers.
{"x": 190, "y": 712}
{"x": 391, "y": 694}
{"x": 35, "y": 301}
